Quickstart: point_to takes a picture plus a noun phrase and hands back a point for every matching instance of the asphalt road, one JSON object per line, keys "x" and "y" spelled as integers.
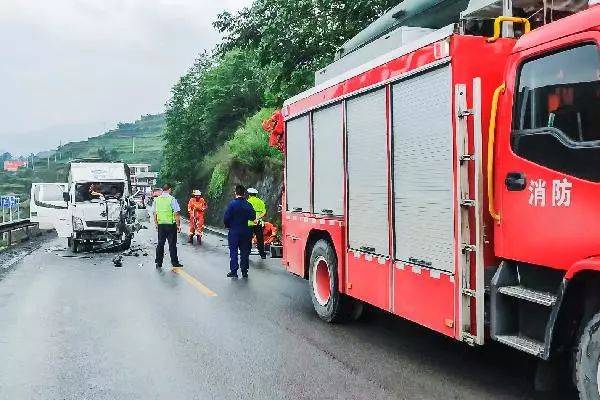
{"x": 81, "y": 328}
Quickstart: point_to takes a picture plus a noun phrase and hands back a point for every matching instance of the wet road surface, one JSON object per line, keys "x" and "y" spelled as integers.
{"x": 80, "y": 328}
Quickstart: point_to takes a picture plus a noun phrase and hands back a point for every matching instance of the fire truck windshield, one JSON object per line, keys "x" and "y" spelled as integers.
{"x": 556, "y": 122}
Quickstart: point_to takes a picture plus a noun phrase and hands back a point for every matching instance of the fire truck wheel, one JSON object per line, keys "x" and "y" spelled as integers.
{"x": 329, "y": 303}
{"x": 322, "y": 276}
{"x": 587, "y": 360}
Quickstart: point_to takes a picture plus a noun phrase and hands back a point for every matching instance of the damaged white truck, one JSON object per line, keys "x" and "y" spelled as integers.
{"x": 94, "y": 210}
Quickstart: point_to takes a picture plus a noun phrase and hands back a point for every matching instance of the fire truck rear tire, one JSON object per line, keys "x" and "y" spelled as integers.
{"x": 587, "y": 360}
{"x": 329, "y": 303}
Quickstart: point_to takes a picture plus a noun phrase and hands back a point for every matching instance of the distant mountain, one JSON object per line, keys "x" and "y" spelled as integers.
{"x": 135, "y": 142}
{"x": 139, "y": 141}
{"x": 47, "y": 138}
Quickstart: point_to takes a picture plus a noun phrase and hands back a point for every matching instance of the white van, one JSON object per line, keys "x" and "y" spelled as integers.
{"x": 88, "y": 221}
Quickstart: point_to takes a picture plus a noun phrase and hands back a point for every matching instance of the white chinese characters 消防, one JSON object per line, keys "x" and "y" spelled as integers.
{"x": 561, "y": 192}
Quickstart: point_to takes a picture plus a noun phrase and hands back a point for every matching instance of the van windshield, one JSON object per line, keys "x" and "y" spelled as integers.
{"x": 86, "y": 192}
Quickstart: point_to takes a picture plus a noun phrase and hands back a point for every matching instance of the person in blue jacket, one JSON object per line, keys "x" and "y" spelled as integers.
{"x": 236, "y": 218}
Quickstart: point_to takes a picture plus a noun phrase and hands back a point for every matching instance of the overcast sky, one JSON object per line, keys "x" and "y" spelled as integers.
{"x": 70, "y": 69}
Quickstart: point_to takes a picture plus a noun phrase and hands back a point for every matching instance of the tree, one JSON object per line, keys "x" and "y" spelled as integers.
{"x": 295, "y": 38}
{"x": 108, "y": 155}
{"x": 270, "y": 52}
{"x": 206, "y": 106}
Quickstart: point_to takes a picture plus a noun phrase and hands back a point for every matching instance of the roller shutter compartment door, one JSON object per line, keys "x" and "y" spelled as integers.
{"x": 328, "y": 160}
{"x": 423, "y": 181}
{"x": 298, "y": 164}
{"x": 367, "y": 173}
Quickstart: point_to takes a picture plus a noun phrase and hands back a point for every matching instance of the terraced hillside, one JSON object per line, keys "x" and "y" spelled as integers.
{"x": 139, "y": 141}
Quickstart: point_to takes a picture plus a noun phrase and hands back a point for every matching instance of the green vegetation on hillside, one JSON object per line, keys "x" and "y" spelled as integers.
{"x": 269, "y": 53}
{"x": 116, "y": 144}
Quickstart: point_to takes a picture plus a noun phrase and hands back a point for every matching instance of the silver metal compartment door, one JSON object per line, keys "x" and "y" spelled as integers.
{"x": 298, "y": 164}
{"x": 328, "y": 160}
{"x": 423, "y": 196}
{"x": 367, "y": 173}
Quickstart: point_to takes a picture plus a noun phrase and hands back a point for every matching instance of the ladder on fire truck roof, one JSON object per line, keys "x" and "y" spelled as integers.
{"x": 470, "y": 215}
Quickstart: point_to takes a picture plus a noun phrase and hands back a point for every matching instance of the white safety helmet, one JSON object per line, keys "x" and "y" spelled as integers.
{"x": 252, "y": 191}
{"x": 196, "y": 192}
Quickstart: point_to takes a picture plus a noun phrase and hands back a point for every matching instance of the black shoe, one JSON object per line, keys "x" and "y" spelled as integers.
{"x": 232, "y": 275}
{"x": 158, "y": 266}
{"x": 178, "y": 266}
{"x": 263, "y": 256}
{"x": 191, "y": 240}
{"x": 244, "y": 274}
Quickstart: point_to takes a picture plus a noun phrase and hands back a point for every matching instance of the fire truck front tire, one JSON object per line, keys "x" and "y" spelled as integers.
{"x": 587, "y": 360}
{"x": 329, "y": 303}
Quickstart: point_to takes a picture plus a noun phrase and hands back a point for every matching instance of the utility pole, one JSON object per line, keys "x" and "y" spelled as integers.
{"x": 133, "y": 145}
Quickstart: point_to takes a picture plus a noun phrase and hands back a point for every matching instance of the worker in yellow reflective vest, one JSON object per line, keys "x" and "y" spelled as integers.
{"x": 257, "y": 224}
{"x": 168, "y": 223}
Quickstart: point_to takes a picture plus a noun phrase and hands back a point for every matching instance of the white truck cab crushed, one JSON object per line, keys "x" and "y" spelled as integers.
{"x": 94, "y": 210}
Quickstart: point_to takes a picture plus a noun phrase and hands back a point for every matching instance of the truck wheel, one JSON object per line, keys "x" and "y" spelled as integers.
{"x": 329, "y": 303}
{"x": 73, "y": 244}
{"x": 587, "y": 360}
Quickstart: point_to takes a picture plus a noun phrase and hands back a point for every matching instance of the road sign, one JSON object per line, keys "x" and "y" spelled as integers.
{"x": 8, "y": 201}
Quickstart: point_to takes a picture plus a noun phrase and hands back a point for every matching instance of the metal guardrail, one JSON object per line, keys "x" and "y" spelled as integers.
{"x": 7, "y": 229}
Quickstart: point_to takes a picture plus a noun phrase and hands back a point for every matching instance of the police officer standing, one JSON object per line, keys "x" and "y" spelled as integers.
{"x": 168, "y": 223}
{"x": 257, "y": 224}
{"x": 236, "y": 218}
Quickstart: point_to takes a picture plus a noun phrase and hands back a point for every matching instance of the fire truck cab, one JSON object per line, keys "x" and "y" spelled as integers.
{"x": 451, "y": 176}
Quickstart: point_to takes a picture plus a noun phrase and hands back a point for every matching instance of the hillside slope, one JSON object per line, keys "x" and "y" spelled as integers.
{"x": 116, "y": 144}
{"x": 144, "y": 134}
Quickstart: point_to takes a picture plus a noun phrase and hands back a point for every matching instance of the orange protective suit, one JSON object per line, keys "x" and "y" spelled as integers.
{"x": 269, "y": 233}
{"x": 196, "y": 209}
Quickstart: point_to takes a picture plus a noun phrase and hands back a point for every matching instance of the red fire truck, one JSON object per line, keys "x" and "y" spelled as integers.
{"x": 451, "y": 176}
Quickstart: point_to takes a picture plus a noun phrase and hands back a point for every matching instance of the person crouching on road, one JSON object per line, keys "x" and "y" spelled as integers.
{"x": 269, "y": 233}
{"x": 196, "y": 208}
{"x": 168, "y": 222}
{"x": 257, "y": 224}
{"x": 239, "y": 237}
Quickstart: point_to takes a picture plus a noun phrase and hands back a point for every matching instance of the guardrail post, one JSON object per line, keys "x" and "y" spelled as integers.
{"x": 9, "y": 235}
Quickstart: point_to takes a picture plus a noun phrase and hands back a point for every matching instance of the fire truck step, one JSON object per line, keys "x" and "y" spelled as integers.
{"x": 534, "y": 296}
{"x": 523, "y": 343}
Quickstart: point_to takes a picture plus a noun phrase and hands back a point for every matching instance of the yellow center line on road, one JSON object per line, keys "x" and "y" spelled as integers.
{"x": 194, "y": 282}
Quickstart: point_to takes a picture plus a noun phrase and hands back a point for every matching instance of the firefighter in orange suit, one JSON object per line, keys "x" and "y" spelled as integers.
{"x": 196, "y": 208}
{"x": 269, "y": 234}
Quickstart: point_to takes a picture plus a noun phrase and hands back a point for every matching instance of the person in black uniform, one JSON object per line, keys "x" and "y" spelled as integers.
{"x": 236, "y": 218}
